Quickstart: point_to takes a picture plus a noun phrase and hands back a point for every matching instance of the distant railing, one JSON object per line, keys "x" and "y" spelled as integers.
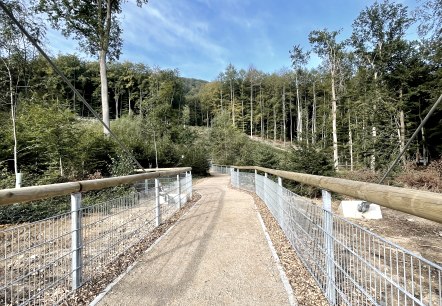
{"x": 352, "y": 265}
{"x": 43, "y": 262}
{"x": 220, "y": 169}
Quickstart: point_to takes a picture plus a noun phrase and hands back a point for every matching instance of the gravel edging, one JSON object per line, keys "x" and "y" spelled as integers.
{"x": 126, "y": 261}
{"x": 305, "y": 288}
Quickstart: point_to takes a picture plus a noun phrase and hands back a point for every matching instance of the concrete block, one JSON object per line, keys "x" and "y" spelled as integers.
{"x": 349, "y": 209}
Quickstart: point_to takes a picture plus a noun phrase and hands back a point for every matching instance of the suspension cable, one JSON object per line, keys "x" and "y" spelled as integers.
{"x": 433, "y": 108}
{"x": 65, "y": 79}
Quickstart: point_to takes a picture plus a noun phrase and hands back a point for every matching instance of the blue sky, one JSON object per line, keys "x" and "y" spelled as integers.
{"x": 201, "y": 37}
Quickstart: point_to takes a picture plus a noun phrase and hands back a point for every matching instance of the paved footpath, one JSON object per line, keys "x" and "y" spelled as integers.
{"x": 216, "y": 255}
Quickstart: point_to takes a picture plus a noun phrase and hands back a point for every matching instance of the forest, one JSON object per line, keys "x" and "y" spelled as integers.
{"x": 353, "y": 112}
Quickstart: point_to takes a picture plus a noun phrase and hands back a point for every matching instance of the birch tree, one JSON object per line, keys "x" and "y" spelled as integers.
{"x": 325, "y": 45}
{"x": 15, "y": 52}
{"x": 376, "y": 32}
{"x": 299, "y": 60}
{"x": 95, "y": 25}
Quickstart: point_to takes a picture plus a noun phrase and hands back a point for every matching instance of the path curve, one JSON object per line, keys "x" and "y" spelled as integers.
{"x": 216, "y": 255}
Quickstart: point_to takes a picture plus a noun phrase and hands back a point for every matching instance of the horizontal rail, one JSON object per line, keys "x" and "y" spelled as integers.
{"x": 32, "y": 193}
{"x": 419, "y": 203}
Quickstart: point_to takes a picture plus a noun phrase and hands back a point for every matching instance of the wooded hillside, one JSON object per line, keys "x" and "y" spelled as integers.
{"x": 354, "y": 111}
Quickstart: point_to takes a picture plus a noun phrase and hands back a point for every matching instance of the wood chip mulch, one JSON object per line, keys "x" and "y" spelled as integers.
{"x": 305, "y": 288}
{"x": 85, "y": 294}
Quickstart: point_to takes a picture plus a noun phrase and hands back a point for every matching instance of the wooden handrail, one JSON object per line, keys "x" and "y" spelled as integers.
{"x": 419, "y": 203}
{"x": 25, "y": 194}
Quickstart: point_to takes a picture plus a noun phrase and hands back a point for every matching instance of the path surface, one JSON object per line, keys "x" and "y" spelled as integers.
{"x": 216, "y": 255}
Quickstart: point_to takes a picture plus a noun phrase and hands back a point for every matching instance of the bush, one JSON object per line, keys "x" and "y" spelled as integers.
{"x": 309, "y": 160}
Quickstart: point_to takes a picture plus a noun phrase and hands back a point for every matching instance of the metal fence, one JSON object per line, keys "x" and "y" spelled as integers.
{"x": 351, "y": 265}
{"x": 220, "y": 169}
{"x": 42, "y": 263}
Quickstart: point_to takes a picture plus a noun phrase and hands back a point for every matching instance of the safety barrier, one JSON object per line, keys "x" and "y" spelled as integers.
{"x": 43, "y": 262}
{"x": 352, "y": 265}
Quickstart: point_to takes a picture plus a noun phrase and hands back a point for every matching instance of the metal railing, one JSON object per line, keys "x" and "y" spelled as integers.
{"x": 222, "y": 169}
{"x": 42, "y": 263}
{"x": 351, "y": 265}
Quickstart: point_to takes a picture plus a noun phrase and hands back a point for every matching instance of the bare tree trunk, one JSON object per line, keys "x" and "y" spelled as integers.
{"x": 232, "y": 96}
{"x": 291, "y": 117}
{"x": 14, "y": 125}
{"x": 104, "y": 91}
{"x": 117, "y": 106}
{"x": 298, "y": 105}
{"x": 335, "y": 134}
{"x": 350, "y": 142}
{"x": 261, "y": 105}
{"x": 251, "y": 109}
{"x": 283, "y": 114}
{"x": 242, "y": 106}
{"x": 274, "y": 123}
{"x": 314, "y": 116}
{"x": 402, "y": 128}
{"x": 129, "y": 106}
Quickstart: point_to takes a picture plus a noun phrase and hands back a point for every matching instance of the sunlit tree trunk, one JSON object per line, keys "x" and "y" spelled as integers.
{"x": 283, "y": 114}
{"x": 298, "y": 105}
{"x": 104, "y": 92}
{"x": 314, "y": 115}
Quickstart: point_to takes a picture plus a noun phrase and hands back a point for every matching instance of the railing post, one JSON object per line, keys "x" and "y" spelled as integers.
{"x": 76, "y": 240}
{"x": 190, "y": 184}
{"x": 237, "y": 178}
{"x": 146, "y": 187}
{"x": 157, "y": 202}
{"x": 328, "y": 239}
{"x": 179, "y": 190}
{"x": 265, "y": 188}
{"x": 280, "y": 204}
{"x": 256, "y": 181}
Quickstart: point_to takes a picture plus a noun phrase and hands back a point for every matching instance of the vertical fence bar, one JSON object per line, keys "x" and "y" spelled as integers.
{"x": 265, "y": 187}
{"x": 190, "y": 184}
{"x": 157, "y": 202}
{"x": 146, "y": 187}
{"x": 76, "y": 240}
{"x": 256, "y": 181}
{"x": 280, "y": 205}
{"x": 328, "y": 239}
{"x": 178, "y": 181}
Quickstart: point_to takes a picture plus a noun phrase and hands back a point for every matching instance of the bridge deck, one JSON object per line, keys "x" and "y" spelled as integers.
{"x": 217, "y": 254}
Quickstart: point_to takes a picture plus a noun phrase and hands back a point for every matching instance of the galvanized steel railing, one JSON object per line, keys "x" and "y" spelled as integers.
{"x": 352, "y": 265}
{"x": 42, "y": 263}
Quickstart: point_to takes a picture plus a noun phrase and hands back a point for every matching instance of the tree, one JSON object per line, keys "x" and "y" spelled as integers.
{"x": 377, "y": 37}
{"x": 95, "y": 25}
{"x": 299, "y": 60}
{"x": 231, "y": 76}
{"x": 15, "y": 52}
{"x": 325, "y": 45}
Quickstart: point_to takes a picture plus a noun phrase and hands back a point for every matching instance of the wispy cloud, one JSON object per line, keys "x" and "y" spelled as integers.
{"x": 170, "y": 28}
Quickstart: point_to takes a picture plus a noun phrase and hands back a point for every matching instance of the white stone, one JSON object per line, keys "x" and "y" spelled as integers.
{"x": 172, "y": 199}
{"x": 349, "y": 209}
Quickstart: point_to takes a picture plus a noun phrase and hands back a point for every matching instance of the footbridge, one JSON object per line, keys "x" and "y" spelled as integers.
{"x": 164, "y": 238}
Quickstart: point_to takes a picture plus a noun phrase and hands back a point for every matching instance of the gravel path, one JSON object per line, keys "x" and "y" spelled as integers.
{"x": 216, "y": 254}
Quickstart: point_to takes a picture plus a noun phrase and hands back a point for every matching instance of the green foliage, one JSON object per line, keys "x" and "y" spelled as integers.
{"x": 309, "y": 160}
{"x": 265, "y": 156}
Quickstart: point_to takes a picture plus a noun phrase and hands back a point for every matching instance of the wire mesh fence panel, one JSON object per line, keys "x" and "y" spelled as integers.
{"x": 37, "y": 259}
{"x": 247, "y": 181}
{"x": 111, "y": 227}
{"x": 221, "y": 169}
{"x": 352, "y": 265}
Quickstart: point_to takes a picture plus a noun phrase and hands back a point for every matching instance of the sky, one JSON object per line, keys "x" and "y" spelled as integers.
{"x": 201, "y": 37}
